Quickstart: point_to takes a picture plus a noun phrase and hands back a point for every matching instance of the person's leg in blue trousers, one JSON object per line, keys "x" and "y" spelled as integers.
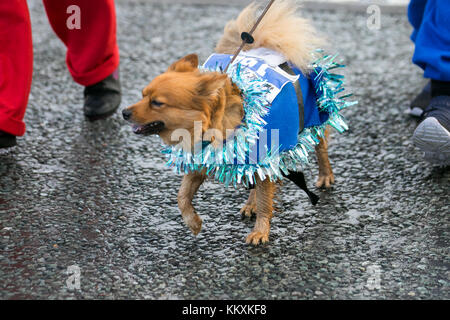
{"x": 431, "y": 35}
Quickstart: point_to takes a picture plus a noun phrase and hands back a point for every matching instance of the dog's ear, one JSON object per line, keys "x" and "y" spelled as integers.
{"x": 186, "y": 64}
{"x": 210, "y": 83}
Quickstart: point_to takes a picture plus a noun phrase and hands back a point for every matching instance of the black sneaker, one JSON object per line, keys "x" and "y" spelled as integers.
{"x": 7, "y": 140}
{"x": 432, "y": 135}
{"x": 103, "y": 98}
{"x": 419, "y": 104}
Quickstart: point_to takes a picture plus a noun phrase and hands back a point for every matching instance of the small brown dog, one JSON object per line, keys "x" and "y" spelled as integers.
{"x": 184, "y": 94}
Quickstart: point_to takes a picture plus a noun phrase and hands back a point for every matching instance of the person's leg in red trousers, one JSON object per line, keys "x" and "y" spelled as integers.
{"x": 92, "y": 58}
{"x": 16, "y": 65}
{"x": 92, "y": 51}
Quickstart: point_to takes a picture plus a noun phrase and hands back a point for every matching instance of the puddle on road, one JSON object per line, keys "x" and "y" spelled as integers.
{"x": 353, "y": 216}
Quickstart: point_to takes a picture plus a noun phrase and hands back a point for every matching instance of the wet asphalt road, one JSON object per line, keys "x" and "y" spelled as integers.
{"x": 98, "y": 197}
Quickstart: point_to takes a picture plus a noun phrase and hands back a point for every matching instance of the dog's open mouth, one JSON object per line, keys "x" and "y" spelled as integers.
{"x": 150, "y": 128}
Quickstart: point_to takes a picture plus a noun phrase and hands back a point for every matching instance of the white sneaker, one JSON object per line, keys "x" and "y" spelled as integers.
{"x": 433, "y": 139}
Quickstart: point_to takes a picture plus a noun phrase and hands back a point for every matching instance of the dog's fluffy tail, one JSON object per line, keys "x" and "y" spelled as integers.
{"x": 282, "y": 30}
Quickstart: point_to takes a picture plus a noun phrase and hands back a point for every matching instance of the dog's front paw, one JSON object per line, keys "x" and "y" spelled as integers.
{"x": 257, "y": 237}
{"x": 325, "y": 180}
{"x": 194, "y": 222}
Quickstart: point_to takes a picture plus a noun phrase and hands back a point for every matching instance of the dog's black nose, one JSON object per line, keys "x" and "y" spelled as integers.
{"x": 126, "y": 114}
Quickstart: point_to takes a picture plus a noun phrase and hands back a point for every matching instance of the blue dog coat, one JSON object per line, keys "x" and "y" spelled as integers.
{"x": 270, "y": 102}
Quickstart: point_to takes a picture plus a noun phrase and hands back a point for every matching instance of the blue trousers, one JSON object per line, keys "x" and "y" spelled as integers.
{"x": 431, "y": 22}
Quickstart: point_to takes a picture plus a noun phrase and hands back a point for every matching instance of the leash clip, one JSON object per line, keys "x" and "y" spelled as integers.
{"x": 247, "y": 37}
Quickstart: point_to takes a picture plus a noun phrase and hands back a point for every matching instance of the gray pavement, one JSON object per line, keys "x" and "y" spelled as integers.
{"x": 386, "y": 6}
{"x": 97, "y": 197}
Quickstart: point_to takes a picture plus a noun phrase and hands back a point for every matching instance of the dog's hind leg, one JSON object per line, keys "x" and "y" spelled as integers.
{"x": 250, "y": 206}
{"x": 264, "y": 192}
{"x": 326, "y": 177}
{"x": 189, "y": 186}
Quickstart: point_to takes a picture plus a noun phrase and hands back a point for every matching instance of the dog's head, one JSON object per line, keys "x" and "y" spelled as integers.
{"x": 176, "y": 99}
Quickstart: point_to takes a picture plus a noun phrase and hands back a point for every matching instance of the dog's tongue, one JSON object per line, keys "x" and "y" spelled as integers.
{"x": 137, "y": 128}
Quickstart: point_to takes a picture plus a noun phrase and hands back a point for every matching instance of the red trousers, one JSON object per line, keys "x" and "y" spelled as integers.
{"x": 92, "y": 51}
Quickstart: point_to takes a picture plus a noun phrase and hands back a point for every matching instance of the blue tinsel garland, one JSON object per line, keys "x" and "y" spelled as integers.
{"x": 219, "y": 163}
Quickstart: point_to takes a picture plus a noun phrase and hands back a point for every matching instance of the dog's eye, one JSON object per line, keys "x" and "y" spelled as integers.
{"x": 157, "y": 103}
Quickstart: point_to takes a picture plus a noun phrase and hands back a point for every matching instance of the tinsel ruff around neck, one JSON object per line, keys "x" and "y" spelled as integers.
{"x": 232, "y": 169}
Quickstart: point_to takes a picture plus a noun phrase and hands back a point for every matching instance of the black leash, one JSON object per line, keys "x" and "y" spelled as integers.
{"x": 298, "y": 178}
{"x": 298, "y": 90}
